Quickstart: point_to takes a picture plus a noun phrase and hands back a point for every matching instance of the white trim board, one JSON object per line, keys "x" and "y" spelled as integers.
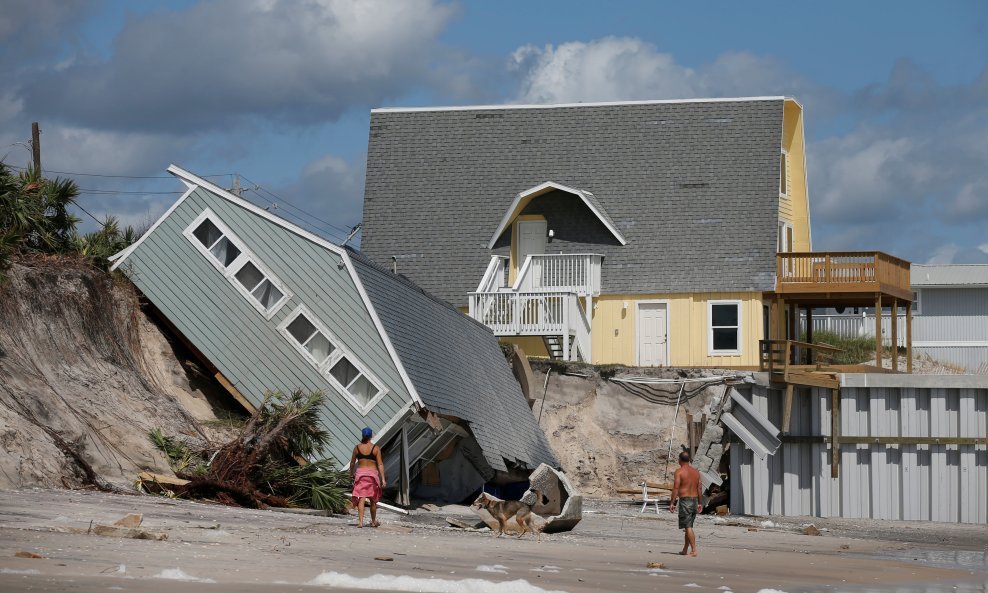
{"x": 246, "y": 256}
{"x": 507, "y": 218}
{"x": 122, "y": 255}
{"x": 339, "y": 351}
{"x": 951, "y": 344}
{"x": 588, "y": 104}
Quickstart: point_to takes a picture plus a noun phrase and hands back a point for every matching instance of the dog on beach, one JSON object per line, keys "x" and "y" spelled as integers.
{"x": 505, "y": 510}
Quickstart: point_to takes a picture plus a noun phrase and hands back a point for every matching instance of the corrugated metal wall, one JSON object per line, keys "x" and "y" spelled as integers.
{"x": 915, "y": 482}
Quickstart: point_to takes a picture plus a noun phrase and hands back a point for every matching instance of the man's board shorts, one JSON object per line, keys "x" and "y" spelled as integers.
{"x": 687, "y": 511}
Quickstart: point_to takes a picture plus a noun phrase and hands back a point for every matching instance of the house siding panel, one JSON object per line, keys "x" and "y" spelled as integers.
{"x": 238, "y": 340}
{"x": 896, "y": 482}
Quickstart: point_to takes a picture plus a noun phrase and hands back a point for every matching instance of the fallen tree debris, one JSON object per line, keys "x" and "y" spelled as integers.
{"x": 265, "y": 464}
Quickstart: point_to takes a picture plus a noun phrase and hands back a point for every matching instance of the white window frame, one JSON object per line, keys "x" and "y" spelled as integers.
{"x": 710, "y": 329}
{"x": 230, "y": 272}
{"x": 918, "y": 302}
{"x": 338, "y": 352}
{"x": 784, "y": 175}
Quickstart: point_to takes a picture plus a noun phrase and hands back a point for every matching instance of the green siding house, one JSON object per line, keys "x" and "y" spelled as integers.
{"x": 272, "y": 306}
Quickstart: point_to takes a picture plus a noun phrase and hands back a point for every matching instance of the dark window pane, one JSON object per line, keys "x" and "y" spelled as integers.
{"x": 725, "y": 339}
{"x": 344, "y": 372}
{"x": 267, "y": 294}
{"x": 363, "y": 390}
{"x": 249, "y": 276}
{"x": 320, "y": 347}
{"x": 207, "y": 233}
{"x": 301, "y": 328}
{"x": 225, "y": 251}
{"x": 724, "y": 315}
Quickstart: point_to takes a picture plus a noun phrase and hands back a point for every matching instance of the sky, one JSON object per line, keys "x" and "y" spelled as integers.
{"x": 279, "y": 91}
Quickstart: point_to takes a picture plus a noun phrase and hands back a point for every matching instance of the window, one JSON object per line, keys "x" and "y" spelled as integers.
{"x": 227, "y": 254}
{"x": 785, "y": 237}
{"x": 725, "y": 328}
{"x": 784, "y": 174}
{"x": 217, "y": 245}
{"x": 917, "y": 304}
{"x": 339, "y": 367}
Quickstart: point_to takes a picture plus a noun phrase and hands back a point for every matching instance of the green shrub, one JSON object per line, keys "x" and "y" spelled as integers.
{"x": 856, "y": 350}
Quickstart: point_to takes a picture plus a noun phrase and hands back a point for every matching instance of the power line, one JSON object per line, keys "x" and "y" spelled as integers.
{"x": 343, "y": 230}
{"x": 116, "y": 176}
{"x": 113, "y": 191}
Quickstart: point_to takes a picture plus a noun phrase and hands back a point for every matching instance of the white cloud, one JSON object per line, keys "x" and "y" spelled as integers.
{"x": 218, "y": 60}
{"x": 627, "y": 68}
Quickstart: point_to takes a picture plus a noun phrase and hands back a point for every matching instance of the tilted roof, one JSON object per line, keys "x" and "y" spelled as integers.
{"x": 692, "y": 186}
{"x": 949, "y": 275}
{"x": 457, "y": 367}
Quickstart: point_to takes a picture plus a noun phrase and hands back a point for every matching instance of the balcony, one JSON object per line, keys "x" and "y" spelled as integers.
{"x": 842, "y": 276}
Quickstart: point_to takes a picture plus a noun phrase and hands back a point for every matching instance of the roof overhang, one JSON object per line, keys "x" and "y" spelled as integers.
{"x": 525, "y": 197}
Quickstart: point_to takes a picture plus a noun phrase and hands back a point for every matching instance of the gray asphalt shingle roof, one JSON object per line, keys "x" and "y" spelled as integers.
{"x": 692, "y": 186}
{"x": 456, "y": 366}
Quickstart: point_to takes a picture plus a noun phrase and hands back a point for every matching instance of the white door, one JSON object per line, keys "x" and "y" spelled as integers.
{"x": 652, "y": 336}
{"x": 531, "y": 241}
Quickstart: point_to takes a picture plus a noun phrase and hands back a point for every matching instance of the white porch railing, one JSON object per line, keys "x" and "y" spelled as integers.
{"x": 495, "y": 276}
{"x": 537, "y": 313}
{"x": 577, "y": 272}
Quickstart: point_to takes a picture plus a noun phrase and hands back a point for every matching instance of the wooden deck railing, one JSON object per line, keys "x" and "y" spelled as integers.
{"x": 848, "y": 271}
{"x": 778, "y": 355}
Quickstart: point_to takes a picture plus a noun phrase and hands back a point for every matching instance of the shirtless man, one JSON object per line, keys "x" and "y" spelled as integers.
{"x": 686, "y": 488}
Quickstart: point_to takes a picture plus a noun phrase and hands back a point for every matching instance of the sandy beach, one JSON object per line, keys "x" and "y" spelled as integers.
{"x": 217, "y": 548}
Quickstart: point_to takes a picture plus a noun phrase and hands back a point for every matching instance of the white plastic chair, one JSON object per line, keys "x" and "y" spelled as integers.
{"x": 646, "y": 499}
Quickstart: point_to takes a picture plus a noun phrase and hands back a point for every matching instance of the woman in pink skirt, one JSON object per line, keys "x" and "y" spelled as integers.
{"x": 367, "y": 471}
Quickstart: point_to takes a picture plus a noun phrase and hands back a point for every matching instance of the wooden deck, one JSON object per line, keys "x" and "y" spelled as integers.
{"x": 847, "y": 277}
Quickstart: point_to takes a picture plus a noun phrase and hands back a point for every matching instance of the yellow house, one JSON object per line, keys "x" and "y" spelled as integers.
{"x": 648, "y": 233}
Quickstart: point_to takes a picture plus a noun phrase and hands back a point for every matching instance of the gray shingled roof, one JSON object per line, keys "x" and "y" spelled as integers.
{"x": 692, "y": 186}
{"x": 949, "y": 275}
{"x": 457, "y": 367}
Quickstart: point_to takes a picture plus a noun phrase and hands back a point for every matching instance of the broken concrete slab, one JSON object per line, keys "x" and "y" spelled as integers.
{"x": 125, "y": 532}
{"x": 131, "y": 520}
{"x": 560, "y": 508}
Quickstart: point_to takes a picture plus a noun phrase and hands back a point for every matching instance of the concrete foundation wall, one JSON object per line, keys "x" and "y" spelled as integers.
{"x": 936, "y": 482}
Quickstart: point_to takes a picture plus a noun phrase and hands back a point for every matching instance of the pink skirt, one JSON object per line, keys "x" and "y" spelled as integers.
{"x": 366, "y": 484}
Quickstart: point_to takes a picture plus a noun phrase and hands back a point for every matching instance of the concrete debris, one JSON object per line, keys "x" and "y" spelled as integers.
{"x": 461, "y": 524}
{"x": 132, "y": 520}
{"x": 430, "y": 507}
{"x": 126, "y": 532}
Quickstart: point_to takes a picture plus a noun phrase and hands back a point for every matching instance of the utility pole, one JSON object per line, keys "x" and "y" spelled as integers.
{"x": 36, "y": 146}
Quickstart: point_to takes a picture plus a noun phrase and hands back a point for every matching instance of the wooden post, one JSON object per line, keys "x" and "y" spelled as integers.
{"x": 834, "y": 432}
{"x": 909, "y": 338}
{"x": 781, "y": 321}
{"x": 36, "y": 147}
{"x": 405, "y": 488}
{"x": 878, "y": 330}
{"x": 809, "y": 330}
{"x": 895, "y": 335}
{"x": 787, "y": 409}
{"x": 794, "y": 329}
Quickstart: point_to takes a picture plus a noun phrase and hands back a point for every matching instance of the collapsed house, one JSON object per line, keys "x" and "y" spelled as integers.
{"x": 267, "y": 305}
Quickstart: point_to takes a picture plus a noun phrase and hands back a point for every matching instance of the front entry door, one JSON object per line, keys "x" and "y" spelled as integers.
{"x": 652, "y": 338}
{"x": 531, "y": 241}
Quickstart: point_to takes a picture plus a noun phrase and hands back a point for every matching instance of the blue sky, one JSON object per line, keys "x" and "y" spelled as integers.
{"x": 896, "y": 94}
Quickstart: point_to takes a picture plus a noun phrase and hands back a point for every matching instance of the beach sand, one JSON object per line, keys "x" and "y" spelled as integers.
{"x": 216, "y": 548}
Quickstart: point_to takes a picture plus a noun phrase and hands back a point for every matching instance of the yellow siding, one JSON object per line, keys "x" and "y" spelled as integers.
{"x": 795, "y": 208}
{"x": 615, "y": 333}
